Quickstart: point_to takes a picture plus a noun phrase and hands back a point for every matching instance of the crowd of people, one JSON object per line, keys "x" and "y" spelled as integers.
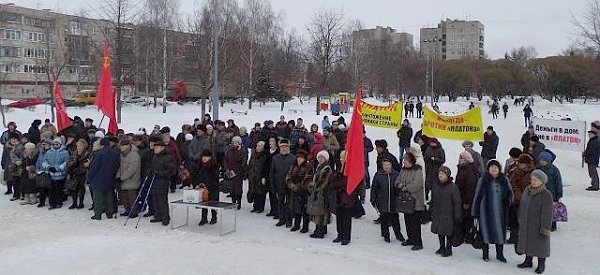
{"x": 301, "y": 171}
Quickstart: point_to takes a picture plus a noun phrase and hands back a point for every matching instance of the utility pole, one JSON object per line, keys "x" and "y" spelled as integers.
{"x": 215, "y": 66}
{"x": 432, "y": 93}
{"x": 165, "y": 60}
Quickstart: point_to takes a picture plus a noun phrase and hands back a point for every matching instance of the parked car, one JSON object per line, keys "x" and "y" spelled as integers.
{"x": 134, "y": 99}
{"x": 85, "y": 97}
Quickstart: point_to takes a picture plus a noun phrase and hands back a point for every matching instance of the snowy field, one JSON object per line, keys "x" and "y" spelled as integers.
{"x": 38, "y": 241}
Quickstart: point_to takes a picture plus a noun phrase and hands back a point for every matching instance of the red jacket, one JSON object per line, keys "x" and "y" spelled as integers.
{"x": 175, "y": 156}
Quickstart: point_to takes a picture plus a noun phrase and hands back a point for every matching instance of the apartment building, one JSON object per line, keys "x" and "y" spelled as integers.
{"x": 453, "y": 39}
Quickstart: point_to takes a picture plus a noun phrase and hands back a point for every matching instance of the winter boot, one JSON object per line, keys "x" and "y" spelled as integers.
{"x": 513, "y": 237}
{"x": 33, "y": 199}
{"x": 324, "y": 230}
{"x": 288, "y": 223}
{"x": 442, "y": 248}
{"x": 500, "y": 253}
{"x": 26, "y": 201}
{"x": 527, "y": 263}
{"x": 305, "y": 222}
{"x": 204, "y": 219}
{"x": 338, "y": 239}
{"x": 541, "y": 266}
{"x": 296, "y": 224}
{"x": 280, "y": 223}
{"x": 486, "y": 252}
{"x": 448, "y": 251}
{"x": 553, "y": 228}
{"x": 213, "y": 220}
{"x": 318, "y": 234}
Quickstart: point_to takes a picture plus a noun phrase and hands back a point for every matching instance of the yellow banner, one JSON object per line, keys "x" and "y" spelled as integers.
{"x": 382, "y": 116}
{"x": 467, "y": 126}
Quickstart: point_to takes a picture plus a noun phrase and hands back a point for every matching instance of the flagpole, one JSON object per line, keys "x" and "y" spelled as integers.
{"x": 101, "y": 120}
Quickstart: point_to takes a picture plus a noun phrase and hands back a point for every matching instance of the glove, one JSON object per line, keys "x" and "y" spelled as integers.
{"x": 52, "y": 169}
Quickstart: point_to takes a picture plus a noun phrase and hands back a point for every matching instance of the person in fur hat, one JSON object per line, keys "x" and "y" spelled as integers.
{"x": 466, "y": 180}
{"x": 297, "y": 180}
{"x": 316, "y": 200}
{"x": 520, "y": 178}
{"x": 446, "y": 210}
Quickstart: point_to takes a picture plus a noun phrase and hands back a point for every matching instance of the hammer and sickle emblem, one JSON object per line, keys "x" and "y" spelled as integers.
{"x": 106, "y": 62}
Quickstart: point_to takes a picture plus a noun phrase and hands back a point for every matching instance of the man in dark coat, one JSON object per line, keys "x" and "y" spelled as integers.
{"x": 591, "y": 156}
{"x": 489, "y": 144}
{"x": 419, "y": 109}
{"x": 174, "y": 153}
{"x": 196, "y": 147}
{"x": 89, "y": 125}
{"x": 383, "y": 198}
{"x": 381, "y": 146}
{"x": 103, "y": 168}
{"x": 34, "y": 131}
{"x": 268, "y": 132}
{"x": 279, "y": 167}
{"x": 162, "y": 170}
{"x": 434, "y": 157}
{"x": 235, "y": 164}
{"x": 526, "y": 137}
{"x": 404, "y": 136}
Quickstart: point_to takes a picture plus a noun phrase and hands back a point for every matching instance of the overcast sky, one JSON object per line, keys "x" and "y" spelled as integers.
{"x": 544, "y": 24}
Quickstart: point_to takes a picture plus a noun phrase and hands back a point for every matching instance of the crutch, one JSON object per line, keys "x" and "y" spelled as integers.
{"x": 135, "y": 202}
{"x": 145, "y": 200}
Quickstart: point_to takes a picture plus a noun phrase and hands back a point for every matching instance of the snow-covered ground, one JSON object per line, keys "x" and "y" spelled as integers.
{"x": 38, "y": 241}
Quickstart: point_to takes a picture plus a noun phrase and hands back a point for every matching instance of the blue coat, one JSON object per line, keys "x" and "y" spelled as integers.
{"x": 490, "y": 207}
{"x": 57, "y": 159}
{"x": 383, "y": 191}
{"x": 325, "y": 124}
{"x": 554, "y": 184}
{"x": 103, "y": 169}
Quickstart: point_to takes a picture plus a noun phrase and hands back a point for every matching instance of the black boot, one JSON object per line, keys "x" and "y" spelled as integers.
{"x": 486, "y": 252}
{"x": 442, "y": 241}
{"x": 319, "y": 233}
{"x": 204, "y": 219}
{"x": 305, "y": 222}
{"x": 541, "y": 266}
{"x": 500, "y": 253}
{"x": 280, "y": 223}
{"x": 296, "y": 224}
{"x": 338, "y": 239}
{"x": 553, "y": 228}
{"x": 527, "y": 263}
{"x": 213, "y": 217}
{"x": 448, "y": 251}
{"x": 288, "y": 223}
{"x": 513, "y": 237}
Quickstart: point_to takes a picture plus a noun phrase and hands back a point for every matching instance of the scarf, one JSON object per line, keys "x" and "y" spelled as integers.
{"x": 536, "y": 190}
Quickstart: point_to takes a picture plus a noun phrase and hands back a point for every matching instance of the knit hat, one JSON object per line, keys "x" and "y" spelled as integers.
{"x": 188, "y": 137}
{"x": 545, "y": 156}
{"x": 381, "y": 143}
{"x": 99, "y": 134}
{"x": 596, "y": 126}
{"x": 445, "y": 170}
{"x": 467, "y": 143}
{"x": 260, "y": 144}
{"x": 490, "y": 128}
{"x": 540, "y": 175}
{"x": 165, "y": 130}
{"x": 515, "y": 152}
{"x": 29, "y": 146}
{"x": 324, "y": 154}
{"x": 236, "y": 139}
{"x": 206, "y": 153}
{"x": 467, "y": 156}
{"x": 301, "y": 154}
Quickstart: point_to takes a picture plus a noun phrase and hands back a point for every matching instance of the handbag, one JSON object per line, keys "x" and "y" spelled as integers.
{"x": 405, "y": 203}
{"x": 70, "y": 184}
{"x": 205, "y": 195}
{"x": 315, "y": 205}
{"x": 476, "y": 238}
{"x": 43, "y": 180}
{"x": 559, "y": 212}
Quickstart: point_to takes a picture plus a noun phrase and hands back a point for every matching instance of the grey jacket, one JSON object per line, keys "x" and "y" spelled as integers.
{"x": 535, "y": 221}
{"x": 129, "y": 171}
{"x": 277, "y": 174}
{"x": 411, "y": 181}
{"x": 196, "y": 146}
{"x": 446, "y": 208}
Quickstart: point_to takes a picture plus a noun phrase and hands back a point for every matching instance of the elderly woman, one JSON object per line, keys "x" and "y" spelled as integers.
{"x": 258, "y": 172}
{"x": 316, "y": 200}
{"x": 412, "y": 180}
{"x": 446, "y": 210}
{"x": 466, "y": 180}
{"x": 490, "y": 206}
{"x": 28, "y": 179}
{"x": 535, "y": 220}
{"x": 234, "y": 162}
{"x": 296, "y": 181}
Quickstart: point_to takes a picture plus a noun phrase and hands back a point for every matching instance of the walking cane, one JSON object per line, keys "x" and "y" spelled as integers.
{"x": 135, "y": 202}
{"x": 146, "y": 199}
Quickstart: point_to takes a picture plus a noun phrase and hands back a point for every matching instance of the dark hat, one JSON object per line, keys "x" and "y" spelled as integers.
{"x": 105, "y": 141}
{"x": 257, "y": 124}
{"x": 165, "y": 130}
{"x": 76, "y": 118}
{"x": 387, "y": 159}
{"x": 381, "y": 143}
{"x": 301, "y": 153}
{"x": 47, "y": 120}
{"x": 535, "y": 139}
{"x": 201, "y": 128}
{"x": 490, "y": 128}
{"x": 207, "y": 153}
{"x": 530, "y": 126}
{"x": 25, "y": 136}
{"x": 89, "y": 120}
{"x": 494, "y": 162}
{"x": 284, "y": 142}
{"x": 37, "y": 122}
{"x": 327, "y": 128}
{"x": 113, "y": 139}
{"x": 268, "y": 122}
{"x": 515, "y": 152}
{"x": 155, "y": 138}
{"x": 124, "y": 142}
{"x": 445, "y": 170}
{"x": 230, "y": 120}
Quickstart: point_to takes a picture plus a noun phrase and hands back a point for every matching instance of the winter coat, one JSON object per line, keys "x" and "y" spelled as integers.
{"x": 525, "y": 138}
{"x": 383, "y": 191}
{"x": 554, "y": 184}
{"x": 34, "y": 134}
{"x": 129, "y": 169}
{"x": 246, "y": 141}
{"x": 387, "y": 155}
{"x": 76, "y": 168}
{"x": 103, "y": 169}
{"x": 527, "y": 111}
{"x": 446, "y": 209}
{"x": 492, "y": 198}
{"x": 5, "y": 136}
{"x": 519, "y": 180}
{"x": 196, "y": 147}
{"x": 174, "y": 153}
{"x": 339, "y": 183}
{"x": 295, "y": 135}
{"x": 297, "y": 179}
{"x": 221, "y": 142}
{"x": 538, "y": 148}
{"x": 267, "y": 133}
{"x": 404, "y": 136}
{"x": 368, "y": 149}
{"x": 258, "y": 171}
{"x": 466, "y": 180}
{"x": 318, "y": 146}
{"x": 433, "y": 165}
{"x": 145, "y": 159}
{"x": 208, "y": 174}
{"x": 331, "y": 144}
{"x": 478, "y": 160}
{"x": 318, "y": 188}
{"x": 489, "y": 145}
{"x": 592, "y": 152}
{"x": 411, "y": 180}
{"x": 340, "y": 135}
{"x": 16, "y": 157}
{"x": 162, "y": 169}
{"x": 57, "y": 159}
{"x": 280, "y": 165}
{"x": 535, "y": 222}
{"x": 235, "y": 160}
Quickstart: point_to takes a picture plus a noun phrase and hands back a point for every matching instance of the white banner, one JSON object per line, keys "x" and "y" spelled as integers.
{"x": 561, "y": 134}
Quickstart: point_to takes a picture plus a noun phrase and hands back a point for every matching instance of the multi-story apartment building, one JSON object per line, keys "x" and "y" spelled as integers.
{"x": 365, "y": 39}
{"x": 453, "y": 39}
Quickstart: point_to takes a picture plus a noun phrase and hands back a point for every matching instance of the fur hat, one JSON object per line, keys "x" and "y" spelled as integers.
{"x": 207, "y": 153}
{"x": 324, "y": 154}
{"x": 301, "y": 153}
{"x": 446, "y": 170}
{"x": 467, "y": 143}
{"x": 493, "y": 162}
{"x": 525, "y": 158}
{"x": 165, "y": 130}
{"x": 467, "y": 156}
{"x": 236, "y": 139}
{"x": 189, "y": 137}
{"x": 545, "y": 156}
{"x": 99, "y": 134}
{"x": 381, "y": 143}
{"x": 596, "y": 126}
{"x": 540, "y": 175}
{"x": 29, "y": 146}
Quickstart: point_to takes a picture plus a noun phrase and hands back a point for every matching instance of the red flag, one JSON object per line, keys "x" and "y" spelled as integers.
{"x": 62, "y": 119}
{"x": 105, "y": 99}
{"x": 354, "y": 167}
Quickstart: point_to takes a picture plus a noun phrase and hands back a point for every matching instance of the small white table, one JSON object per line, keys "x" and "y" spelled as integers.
{"x": 209, "y": 205}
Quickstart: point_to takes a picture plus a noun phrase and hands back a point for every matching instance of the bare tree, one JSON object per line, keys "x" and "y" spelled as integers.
{"x": 288, "y": 63}
{"x": 326, "y": 39}
{"x": 587, "y": 25}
